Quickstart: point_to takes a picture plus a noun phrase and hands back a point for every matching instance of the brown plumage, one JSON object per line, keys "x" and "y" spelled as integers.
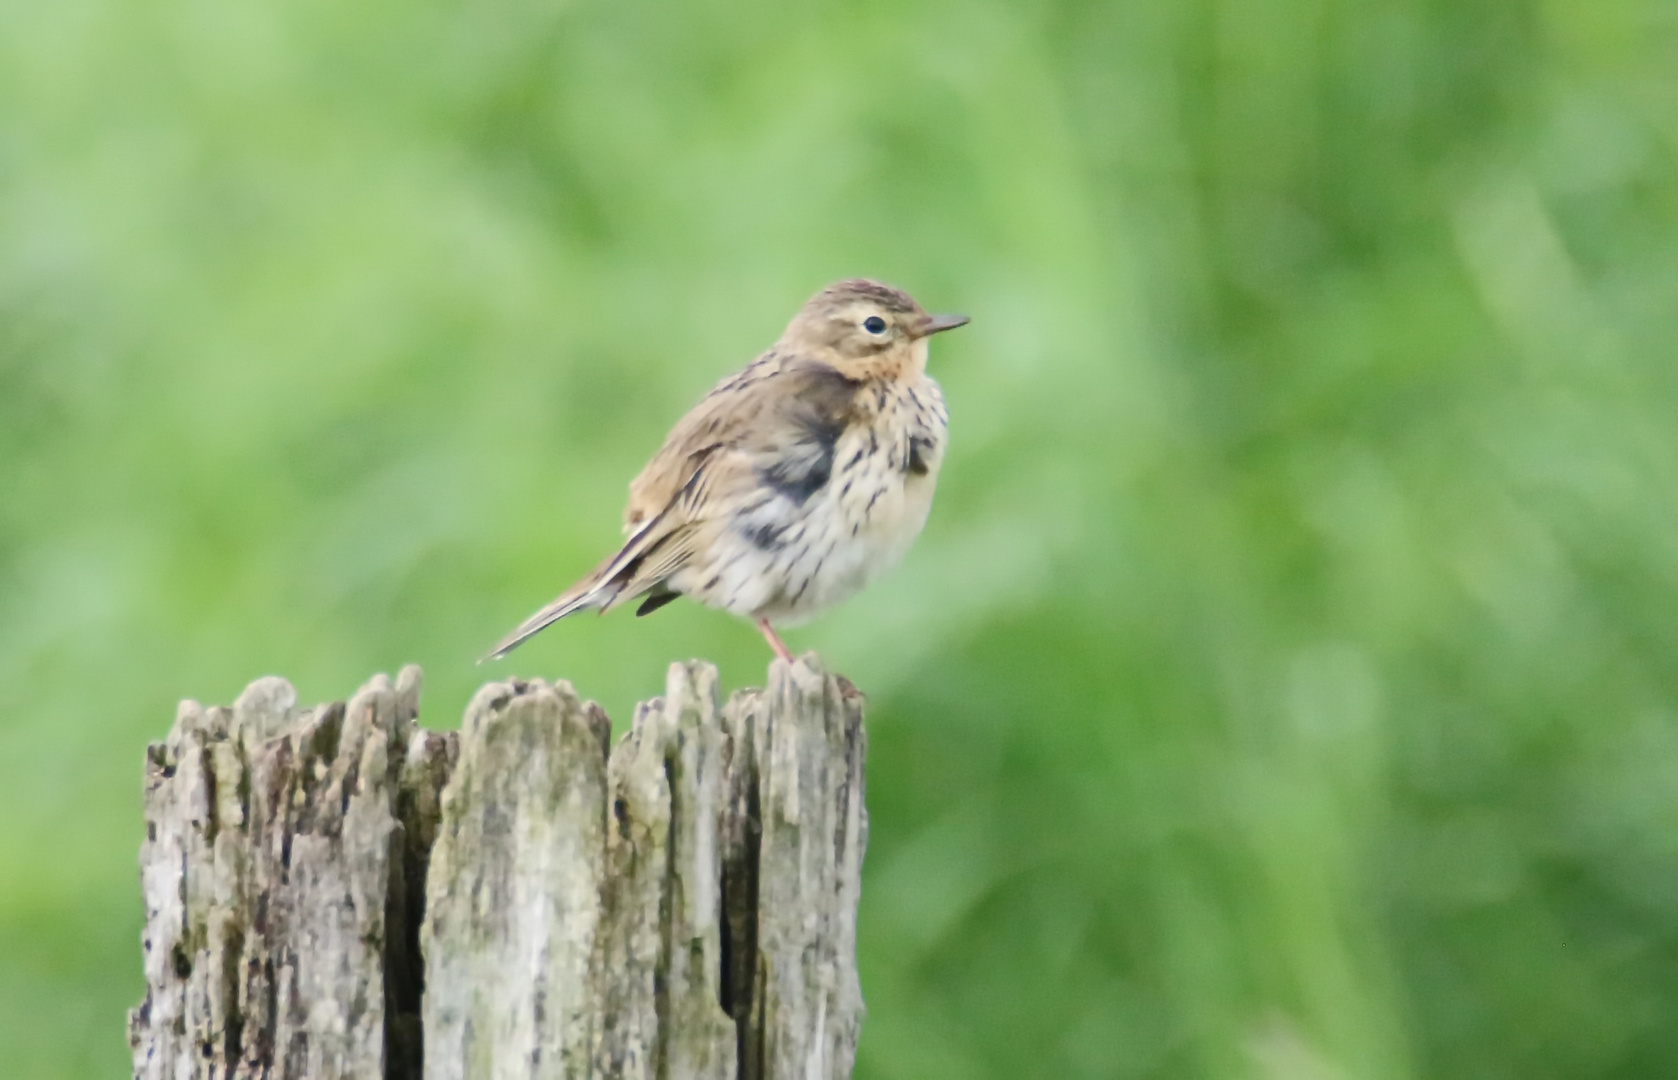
{"x": 795, "y": 481}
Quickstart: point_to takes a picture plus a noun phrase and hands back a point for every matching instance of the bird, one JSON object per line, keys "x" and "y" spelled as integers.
{"x": 791, "y": 485}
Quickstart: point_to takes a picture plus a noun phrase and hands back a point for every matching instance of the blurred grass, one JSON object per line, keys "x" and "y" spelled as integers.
{"x": 1285, "y": 686}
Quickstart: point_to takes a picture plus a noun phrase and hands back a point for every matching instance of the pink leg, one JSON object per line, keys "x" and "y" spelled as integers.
{"x": 774, "y": 640}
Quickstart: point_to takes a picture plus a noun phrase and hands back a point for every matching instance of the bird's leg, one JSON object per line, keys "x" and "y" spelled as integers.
{"x": 774, "y": 640}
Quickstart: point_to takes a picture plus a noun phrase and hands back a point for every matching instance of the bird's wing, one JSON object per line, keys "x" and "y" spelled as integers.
{"x": 770, "y": 428}
{"x": 774, "y": 433}
{"x": 776, "y": 427}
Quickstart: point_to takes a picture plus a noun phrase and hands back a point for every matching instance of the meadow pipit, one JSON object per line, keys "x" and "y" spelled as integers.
{"x": 795, "y": 482}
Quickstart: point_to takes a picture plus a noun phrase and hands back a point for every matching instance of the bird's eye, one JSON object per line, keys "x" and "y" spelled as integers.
{"x": 874, "y": 324}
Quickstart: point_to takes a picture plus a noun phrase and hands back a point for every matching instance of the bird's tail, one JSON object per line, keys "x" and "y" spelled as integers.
{"x": 580, "y": 597}
{"x": 622, "y": 576}
{"x": 595, "y": 591}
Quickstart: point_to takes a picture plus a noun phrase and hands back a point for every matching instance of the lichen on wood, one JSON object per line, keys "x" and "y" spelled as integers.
{"x": 334, "y": 892}
{"x": 274, "y": 870}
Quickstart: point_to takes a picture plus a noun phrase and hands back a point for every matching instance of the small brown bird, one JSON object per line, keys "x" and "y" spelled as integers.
{"x": 795, "y": 482}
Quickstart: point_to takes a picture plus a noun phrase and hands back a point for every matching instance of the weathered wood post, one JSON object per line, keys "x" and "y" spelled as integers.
{"x": 335, "y": 892}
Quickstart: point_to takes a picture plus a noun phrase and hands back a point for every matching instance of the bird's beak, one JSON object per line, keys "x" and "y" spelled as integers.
{"x": 934, "y": 324}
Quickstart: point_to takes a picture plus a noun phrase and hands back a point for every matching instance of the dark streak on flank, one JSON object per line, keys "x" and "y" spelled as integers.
{"x": 799, "y": 476}
{"x": 766, "y": 536}
{"x": 916, "y": 465}
{"x": 811, "y": 576}
{"x": 817, "y": 408}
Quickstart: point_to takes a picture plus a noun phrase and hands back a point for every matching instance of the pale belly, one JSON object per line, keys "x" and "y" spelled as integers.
{"x": 844, "y": 536}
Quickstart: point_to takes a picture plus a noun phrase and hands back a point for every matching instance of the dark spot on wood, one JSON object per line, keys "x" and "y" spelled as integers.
{"x": 738, "y": 917}
{"x": 180, "y": 962}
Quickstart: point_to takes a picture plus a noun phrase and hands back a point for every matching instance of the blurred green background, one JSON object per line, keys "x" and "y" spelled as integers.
{"x": 1287, "y": 682}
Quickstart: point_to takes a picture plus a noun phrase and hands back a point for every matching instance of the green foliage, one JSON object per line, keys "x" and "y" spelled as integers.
{"x": 1285, "y": 685}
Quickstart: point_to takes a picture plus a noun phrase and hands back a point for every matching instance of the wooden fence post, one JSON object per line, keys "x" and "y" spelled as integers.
{"x": 335, "y": 892}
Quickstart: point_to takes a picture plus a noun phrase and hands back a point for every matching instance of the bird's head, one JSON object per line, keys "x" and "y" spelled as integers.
{"x": 865, "y": 328}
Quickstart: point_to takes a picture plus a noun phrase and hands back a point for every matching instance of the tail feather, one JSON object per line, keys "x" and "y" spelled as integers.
{"x": 580, "y": 598}
{"x": 619, "y": 578}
